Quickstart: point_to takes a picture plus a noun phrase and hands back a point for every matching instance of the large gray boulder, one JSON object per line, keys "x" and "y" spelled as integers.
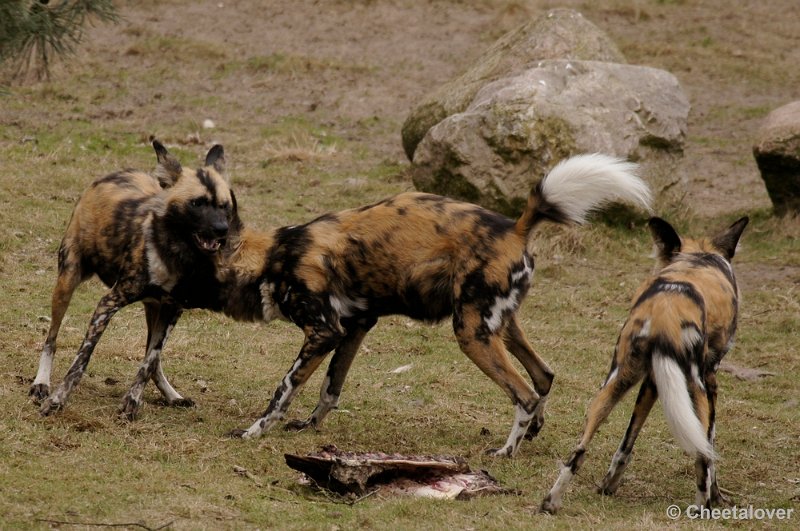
{"x": 516, "y": 128}
{"x": 777, "y": 153}
{"x": 560, "y": 34}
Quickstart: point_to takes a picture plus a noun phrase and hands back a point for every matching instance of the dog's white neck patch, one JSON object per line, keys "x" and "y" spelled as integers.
{"x": 345, "y": 306}
{"x": 159, "y": 273}
{"x": 269, "y": 307}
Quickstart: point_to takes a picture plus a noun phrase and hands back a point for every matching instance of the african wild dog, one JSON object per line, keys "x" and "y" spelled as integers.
{"x": 150, "y": 238}
{"x": 682, "y": 323}
{"x": 421, "y": 255}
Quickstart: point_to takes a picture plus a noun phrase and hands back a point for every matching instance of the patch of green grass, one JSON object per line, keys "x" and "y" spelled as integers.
{"x": 288, "y": 64}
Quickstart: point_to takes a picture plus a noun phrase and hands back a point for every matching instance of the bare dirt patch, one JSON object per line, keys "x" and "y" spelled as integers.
{"x": 360, "y": 66}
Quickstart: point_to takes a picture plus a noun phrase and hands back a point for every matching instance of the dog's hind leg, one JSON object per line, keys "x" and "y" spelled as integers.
{"x": 537, "y": 369}
{"x": 161, "y": 319}
{"x": 644, "y": 403}
{"x": 717, "y": 497}
{"x": 618, "y": 382}
{"x": 109, "y": 304}
{"x": 488, "y": 352}
{"x": 338, "y": 368}
{"x": 704, "y": 467}
{"x": 69, "y": 277}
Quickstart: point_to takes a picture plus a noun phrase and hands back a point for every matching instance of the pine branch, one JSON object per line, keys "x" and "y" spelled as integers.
{"x": 33, "y": 32}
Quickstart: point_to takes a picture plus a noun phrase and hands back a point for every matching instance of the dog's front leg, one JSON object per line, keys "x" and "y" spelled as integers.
{"x": 317, "y": 344}
{"x": 161, "y": 320}
{"x": 334, "y": 379}
{"x": 106, "y": 308}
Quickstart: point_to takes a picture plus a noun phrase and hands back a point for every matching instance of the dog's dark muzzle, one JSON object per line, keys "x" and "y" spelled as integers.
{"x": 212, "y": 240}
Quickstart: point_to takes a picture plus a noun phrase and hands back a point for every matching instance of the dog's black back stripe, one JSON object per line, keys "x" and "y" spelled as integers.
{"x": 715, "y": 261}
{"x": 120, "y": 178}
{"x": 662, "y": 285}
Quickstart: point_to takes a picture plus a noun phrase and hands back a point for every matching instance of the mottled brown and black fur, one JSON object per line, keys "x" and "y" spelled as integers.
{"x": 682, "y": 323}
{"x": 150, "y": 238}
{"x": 420, "y": 255}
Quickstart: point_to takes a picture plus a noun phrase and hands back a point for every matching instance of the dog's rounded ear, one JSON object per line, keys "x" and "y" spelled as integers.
{"x": 666, "y": 239}
{"x": 727, "y": 240}
{"x": 216, "y": 159}
{"x": 168, "y": 169}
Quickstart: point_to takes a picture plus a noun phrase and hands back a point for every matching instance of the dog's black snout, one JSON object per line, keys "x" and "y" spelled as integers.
{"x": 220, "y": 228}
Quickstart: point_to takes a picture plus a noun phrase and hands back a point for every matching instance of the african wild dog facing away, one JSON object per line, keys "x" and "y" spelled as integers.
{"x": 423, "y": 256}
{"x": 682, "y": 323}
{"x": 150, "y": 238}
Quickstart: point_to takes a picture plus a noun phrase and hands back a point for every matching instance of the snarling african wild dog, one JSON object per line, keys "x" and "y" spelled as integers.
{"x": 421, "y": 255}
{"x": 150, "y": 238}
{"x": 682, "y": 323}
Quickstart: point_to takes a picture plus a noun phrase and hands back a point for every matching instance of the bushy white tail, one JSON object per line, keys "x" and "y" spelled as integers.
{"x": 581, "y": 184}
{"x": 681, "y": 417}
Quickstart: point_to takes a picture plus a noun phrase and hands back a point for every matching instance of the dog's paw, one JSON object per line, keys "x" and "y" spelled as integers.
{"x": 499, "y": 452}
{"x": 298, "y": 425}
{"x": 718, "y": 499}
{"x": 606, "y": 490}
{"x": 129, "y": 408}
{"x": 548, "y": 506}
{"x": 39, "y": 392}
{"x": 237, "y": 433}
{"x": 50, "y": 406}
{"x": 182, "y": 402}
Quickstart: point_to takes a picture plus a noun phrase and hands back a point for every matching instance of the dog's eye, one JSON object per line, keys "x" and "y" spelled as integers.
{"x": 196, "y": 202}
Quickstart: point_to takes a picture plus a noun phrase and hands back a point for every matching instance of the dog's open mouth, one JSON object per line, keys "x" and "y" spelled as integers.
{"x": 209, "y": 245}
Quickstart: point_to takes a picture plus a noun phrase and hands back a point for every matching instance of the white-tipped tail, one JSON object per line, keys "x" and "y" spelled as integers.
{"x": 678, "y": 409}
{"x": 581, "y": 184}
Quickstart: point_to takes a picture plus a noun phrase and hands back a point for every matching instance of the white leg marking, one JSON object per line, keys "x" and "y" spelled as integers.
{"x": 611, "y": 377}
{"x": 276, "y": 412}
{"x": 556, "y": 493}
{"x": 45, "y": 366}
{"x": 522, "y": 420}
{"x": 168, "y": 392}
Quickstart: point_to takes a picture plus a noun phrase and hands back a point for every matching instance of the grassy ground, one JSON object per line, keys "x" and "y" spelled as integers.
{"x": 309, "y": 105}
